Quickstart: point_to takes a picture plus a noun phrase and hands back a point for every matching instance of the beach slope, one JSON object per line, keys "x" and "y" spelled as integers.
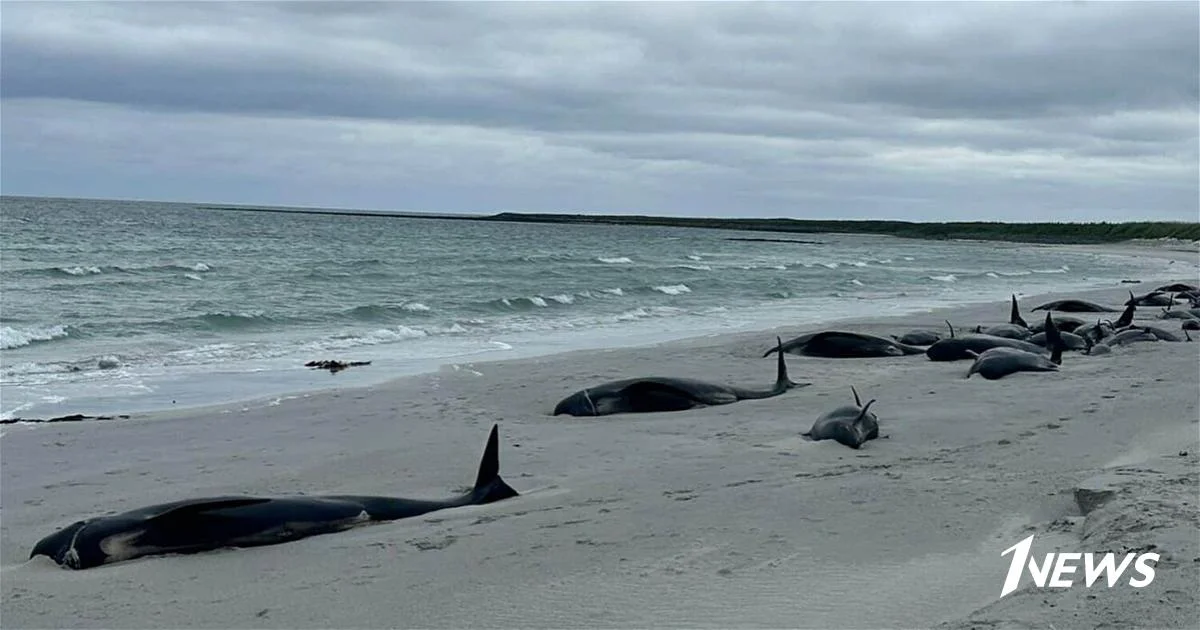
{"x": 716, "y": 517}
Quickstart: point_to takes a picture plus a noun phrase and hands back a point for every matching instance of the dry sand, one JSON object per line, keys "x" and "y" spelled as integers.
{"x": 716, "y": 517}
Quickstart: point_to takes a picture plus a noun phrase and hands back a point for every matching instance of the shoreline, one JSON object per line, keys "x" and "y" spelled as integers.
{"x": 717, "y": 516}
{"x": 631, "y": 339}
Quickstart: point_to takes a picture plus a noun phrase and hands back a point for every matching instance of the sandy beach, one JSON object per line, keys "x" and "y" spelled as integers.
{"x": 716, "y": 517}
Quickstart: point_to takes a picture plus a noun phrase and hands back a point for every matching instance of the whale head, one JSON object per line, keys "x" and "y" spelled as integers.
{"x": 586, "y": 402}
{"x": 70, "y": 548}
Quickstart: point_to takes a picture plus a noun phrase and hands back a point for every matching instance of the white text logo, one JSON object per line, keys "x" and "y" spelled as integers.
{"x": 1055, "y": 571}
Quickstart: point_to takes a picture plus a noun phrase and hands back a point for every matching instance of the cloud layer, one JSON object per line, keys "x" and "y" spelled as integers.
{"x": 962, "y": 111}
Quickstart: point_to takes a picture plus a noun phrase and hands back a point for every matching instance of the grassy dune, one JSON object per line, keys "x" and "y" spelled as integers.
{"x": 987, "y": 231}
{"x": 984, "y": 231}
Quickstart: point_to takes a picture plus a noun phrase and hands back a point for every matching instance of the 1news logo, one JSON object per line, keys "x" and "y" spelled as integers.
{"x": 1055, "y": 569}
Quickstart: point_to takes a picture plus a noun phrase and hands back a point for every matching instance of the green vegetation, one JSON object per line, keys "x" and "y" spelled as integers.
{"x": 986, "y": 231}
{"x": 983, "y": 231}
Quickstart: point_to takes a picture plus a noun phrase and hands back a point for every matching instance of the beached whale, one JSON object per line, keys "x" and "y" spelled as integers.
{"x": 1065, "y": 323}
{"x": 1153, "y": 298}
{"x": 1074, "y": 306}
{"x": 1182, "y": 313}
{"x": 960, "y": 348}
{"x": 851, "y": 425}
{"x": 1010, "y": 331}
{"x": 999, "y": 362}
{"x": 661, "y": 393}
{"x": 918, "y": 337}
{"x": 837, "y": 344}
{"x": 1178, "y": 287}
{"x": 196, "y": 525}
{"x": 1070, "y": 341}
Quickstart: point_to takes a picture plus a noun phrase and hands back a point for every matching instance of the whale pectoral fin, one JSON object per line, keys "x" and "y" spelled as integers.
{"x": 203, "y": 507}
{"x": 650, "y": 396}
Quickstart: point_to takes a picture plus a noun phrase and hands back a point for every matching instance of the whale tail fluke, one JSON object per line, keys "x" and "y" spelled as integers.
{"x": 489, "y": 486}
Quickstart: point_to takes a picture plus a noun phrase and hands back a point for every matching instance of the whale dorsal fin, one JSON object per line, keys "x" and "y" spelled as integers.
{"x": 1054, "y": 340}
{"x": 201, "y": 506}
{"x": 1126, "y": 317}
{"x": 856, "y": 399}
{"x": 489, "y": 486}
{"x": 1014, "y": 316}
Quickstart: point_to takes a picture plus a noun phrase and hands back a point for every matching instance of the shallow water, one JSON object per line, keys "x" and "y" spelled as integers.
{"x": 127, "y": 306}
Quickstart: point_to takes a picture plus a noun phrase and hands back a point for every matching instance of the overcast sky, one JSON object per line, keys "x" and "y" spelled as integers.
{"x": 938, "y": 111}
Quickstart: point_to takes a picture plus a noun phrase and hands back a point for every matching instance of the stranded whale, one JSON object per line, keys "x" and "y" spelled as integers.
{"x": 661, "y": 393}
{"x": 196, "y": 525}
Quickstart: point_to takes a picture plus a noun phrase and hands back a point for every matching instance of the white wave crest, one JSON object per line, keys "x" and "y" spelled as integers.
{"x": 694, "y": 257}
{"x": 192, "y": 276}
{"x": 673, "y": 289}
{"x": 372, "y": 338}
{"x": 859, "y": 263}
{"x": 616, "y": 291}
{"x": 1062, "y": 269}
{"x": 696, "y": 267}
{"x": 80, "y": 271}
{"x": 200, "y": 267}
{"x": 829, "y": 265}
{"x": 643, "y": 313}
{"x": 15, "y": 337}
{"x": 562, "y": 298}
{"x": 946, "y": 278}
{"x": 619, "y": 260}
{"x": 991, "y": 274}
{"x": 537, "y": 301}
{"x": 453, "y": 329}
{"x": 856, "y": 282}
{"x": 415, "y": 307}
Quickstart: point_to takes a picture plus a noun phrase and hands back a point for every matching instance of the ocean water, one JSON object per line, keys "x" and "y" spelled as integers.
{"x": 109, "y": 307}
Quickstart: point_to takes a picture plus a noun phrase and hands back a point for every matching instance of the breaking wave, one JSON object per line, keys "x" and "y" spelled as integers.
{"x": 17, "y": 337}
{"x": 673, "y": 289}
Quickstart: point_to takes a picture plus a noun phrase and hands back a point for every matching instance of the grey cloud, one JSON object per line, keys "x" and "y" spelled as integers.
{"x": 688, "y": 107}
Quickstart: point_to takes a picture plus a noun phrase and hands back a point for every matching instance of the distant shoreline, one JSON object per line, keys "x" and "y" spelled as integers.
{"x": 1043, "y": 233}
{"x": 1046, "y": 233}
